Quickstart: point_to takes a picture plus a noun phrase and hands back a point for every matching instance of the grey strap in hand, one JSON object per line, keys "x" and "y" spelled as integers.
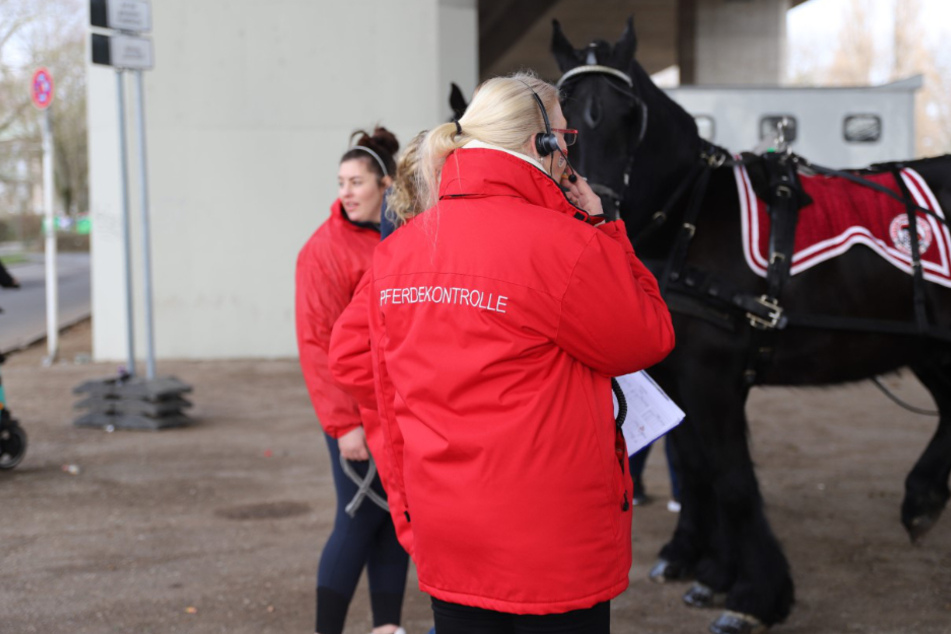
{"x": 363, "y": 487}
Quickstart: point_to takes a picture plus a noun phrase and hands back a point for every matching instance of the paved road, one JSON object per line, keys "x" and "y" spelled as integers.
{"x": 24, "y": 318}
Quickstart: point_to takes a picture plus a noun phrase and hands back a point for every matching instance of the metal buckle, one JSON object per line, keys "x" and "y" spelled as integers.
{"x": 714, "y": 160}
{"x": 773, "y": 317}
{"x": 691, "y": 229}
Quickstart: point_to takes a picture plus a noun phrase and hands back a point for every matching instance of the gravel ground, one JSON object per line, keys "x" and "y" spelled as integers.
{"x": 217, "y": 527}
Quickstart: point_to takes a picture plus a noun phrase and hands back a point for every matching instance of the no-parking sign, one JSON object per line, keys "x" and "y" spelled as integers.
{"x": 41, "y": 89}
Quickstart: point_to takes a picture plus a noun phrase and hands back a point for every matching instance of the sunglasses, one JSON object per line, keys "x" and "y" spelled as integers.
{"x": 570, "y": 135}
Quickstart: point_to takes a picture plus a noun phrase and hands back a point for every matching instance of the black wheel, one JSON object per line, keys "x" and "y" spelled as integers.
{"x": 12, "y": 446}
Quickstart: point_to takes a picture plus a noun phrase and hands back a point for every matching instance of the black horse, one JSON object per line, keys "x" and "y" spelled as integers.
{"x": 679, "y": 200}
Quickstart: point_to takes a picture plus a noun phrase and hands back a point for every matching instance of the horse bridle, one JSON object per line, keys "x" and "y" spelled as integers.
{"x": 607, "y": 71}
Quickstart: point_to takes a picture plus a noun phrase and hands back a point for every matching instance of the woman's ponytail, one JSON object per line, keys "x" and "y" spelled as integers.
{"x": 439, "y": 143}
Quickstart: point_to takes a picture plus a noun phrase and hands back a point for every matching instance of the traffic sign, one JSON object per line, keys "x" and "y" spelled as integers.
{"x": 123, "y": 15}
{"x": 122, "y": 51}
{"x": 41, "y": 89}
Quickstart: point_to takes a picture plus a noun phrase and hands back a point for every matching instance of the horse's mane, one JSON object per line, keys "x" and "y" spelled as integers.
{"x": 670, "y": 148}
{"x": 660, "y": 106}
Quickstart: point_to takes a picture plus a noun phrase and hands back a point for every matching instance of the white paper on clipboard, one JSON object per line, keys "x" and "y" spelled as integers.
{"x": 650, "y": 412}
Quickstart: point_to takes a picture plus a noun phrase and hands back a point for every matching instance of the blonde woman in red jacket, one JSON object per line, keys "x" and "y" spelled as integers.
{"x": 328, "y": 269}
{"x": 495, "y": 321}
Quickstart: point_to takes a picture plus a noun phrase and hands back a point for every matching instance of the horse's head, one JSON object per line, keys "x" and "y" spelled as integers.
{"x": 630, "y": 132}
{"x": 599, "y": 100}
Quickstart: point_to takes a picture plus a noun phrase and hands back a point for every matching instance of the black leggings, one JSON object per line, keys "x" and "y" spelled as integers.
{"x": 366, "y": 539}
{"x": 452, "y": 618}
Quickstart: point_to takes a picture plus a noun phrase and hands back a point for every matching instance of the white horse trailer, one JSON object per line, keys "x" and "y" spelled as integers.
{"x": 837, "y": 127}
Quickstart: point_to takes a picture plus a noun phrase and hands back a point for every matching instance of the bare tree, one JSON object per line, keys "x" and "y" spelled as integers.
{"x": 46, "y": 33}
{"x": 913, "y": 55}
{"x": 855, "y": 52}
{"x": 858, "y": 59}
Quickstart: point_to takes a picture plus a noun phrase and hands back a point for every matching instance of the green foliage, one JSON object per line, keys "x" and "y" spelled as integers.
{"x": 25, "y": 228}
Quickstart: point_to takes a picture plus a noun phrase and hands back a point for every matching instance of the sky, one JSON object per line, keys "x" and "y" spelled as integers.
{"x": 824, "y": 17}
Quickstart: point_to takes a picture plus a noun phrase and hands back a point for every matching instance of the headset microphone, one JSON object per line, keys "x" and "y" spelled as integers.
{"x": 572, "y": 176}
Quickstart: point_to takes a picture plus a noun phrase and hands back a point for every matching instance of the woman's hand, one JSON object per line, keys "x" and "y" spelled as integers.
{"x": 353, "y": 445}
{"x": 581, "y": 195}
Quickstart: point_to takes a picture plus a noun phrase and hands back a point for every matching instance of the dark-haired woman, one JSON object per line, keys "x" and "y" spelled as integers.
{"x": 328, "y": 269}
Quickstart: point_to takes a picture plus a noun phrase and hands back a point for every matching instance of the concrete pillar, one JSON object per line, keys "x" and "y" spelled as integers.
{"x": 249, "y": 108}
{"x": 732, "y": 42}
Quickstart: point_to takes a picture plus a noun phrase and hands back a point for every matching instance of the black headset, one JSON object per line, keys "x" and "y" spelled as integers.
{"x": 546, "y": 143}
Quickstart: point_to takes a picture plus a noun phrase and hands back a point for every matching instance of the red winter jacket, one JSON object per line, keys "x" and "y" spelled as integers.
{"x": 495, "y": 321}
{"x": 328, "y": 269}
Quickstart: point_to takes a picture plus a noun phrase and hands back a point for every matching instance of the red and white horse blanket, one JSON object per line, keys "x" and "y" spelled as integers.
{"x": 844, "y": 214}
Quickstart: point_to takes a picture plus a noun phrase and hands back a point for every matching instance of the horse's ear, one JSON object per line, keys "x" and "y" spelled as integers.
{"x": 626, "y": 46}
{"x": 456, "y": 101}
{"x": 561, "y": 48}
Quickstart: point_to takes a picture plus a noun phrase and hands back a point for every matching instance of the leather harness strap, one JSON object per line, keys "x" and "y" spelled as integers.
{"x": 785, "y": 196}
{"x": 678, "y": 254}
{"x": 918, "y": 280}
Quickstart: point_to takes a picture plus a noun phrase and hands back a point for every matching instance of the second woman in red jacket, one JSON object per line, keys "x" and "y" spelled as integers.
{"x": 496, "y": 320}
{"x": 328, "y": 269}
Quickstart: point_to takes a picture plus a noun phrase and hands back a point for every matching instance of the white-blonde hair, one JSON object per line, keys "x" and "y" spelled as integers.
{"x": 406, "y": 199}
{"x": 502, "y": 112}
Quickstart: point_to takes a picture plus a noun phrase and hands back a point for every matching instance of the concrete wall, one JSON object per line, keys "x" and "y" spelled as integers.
{"x": 713, "y": 41}
{"x": 655, "y": 23}
{"x": 739, "y": 42}
{"x": 249, "y": 108}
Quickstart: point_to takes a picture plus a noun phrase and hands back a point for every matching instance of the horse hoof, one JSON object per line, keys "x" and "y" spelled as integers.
{"x": 920, "y": 526}
{"x": 737, "y": 623}
{"x": 703, "y": 596}
{"x": 664, "y": 571}
{"x": 920, "y": 513}
{"x": 658, "y": 573}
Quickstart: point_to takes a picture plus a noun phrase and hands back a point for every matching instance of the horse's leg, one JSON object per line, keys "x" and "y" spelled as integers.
{"x": 707, "y": 445}
{"x": 696, "y": 522}
{"x": 762, "y": 593}
{"x": 745, "y": 558}
{"x": 926, "y": 488}
{"x": 700, "y": 532}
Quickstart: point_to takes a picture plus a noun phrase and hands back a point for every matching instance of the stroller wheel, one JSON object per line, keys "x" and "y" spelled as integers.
{"x": 12, "y": 446}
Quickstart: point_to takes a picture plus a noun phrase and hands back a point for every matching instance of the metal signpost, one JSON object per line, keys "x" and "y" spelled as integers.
{"x": 130, "y": 402}
{"x": 41, "y": 91}
{"x": 125, "y": 52}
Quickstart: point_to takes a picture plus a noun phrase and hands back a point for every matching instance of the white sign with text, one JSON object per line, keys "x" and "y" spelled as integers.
{"x": 129, "y": 15}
